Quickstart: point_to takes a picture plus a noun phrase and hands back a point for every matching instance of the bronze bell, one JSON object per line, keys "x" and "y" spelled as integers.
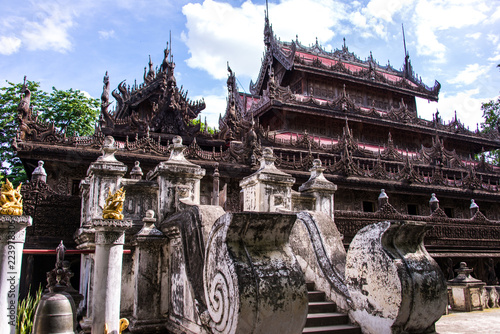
{"x": 56, "y": 313}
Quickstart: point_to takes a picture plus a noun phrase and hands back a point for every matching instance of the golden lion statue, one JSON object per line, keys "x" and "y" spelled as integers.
{"x": 11, "y": 201}
{"x": 114, "y": 205}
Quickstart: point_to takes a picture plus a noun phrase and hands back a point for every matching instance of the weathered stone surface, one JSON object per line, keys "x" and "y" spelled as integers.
{"x": 268, "y": 189}
{"x": 12, "y": 236}
{"x": 188, "y": 231}
{"x": 396, "y": 287}
{"x": 148, "y": 263}
{"x": 320, "y": 189}
{"x": 109, "y": 240}
{"x": 253, "y": 283}
{"x": 318, "y": 246}
{"x": 177, "y": 179}
{"x": 466, "y": 292}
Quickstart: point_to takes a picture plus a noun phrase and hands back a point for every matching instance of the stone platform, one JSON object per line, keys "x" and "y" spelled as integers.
{"x": 478, "y": 322}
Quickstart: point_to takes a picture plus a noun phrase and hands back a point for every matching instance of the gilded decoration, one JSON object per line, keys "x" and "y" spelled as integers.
{"x": 114, "y": 205}
{"x": 11, "y": 201}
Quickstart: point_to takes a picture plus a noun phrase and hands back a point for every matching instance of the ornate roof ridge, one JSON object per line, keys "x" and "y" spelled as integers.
{"x": 343, "y": 103}
{"x": 157, "y": 104}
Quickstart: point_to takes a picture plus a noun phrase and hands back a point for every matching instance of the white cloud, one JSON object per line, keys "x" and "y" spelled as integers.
{"x": 493, "y": 38}
{"x": 215, "y": 106}
{"x": 495, "y": 58}
{"x": 466, "y": 104}
{"x": 476, "y": 35}
{"x": 218, "y": 32}
{"x": 50, "y": 30}
{"x": 106, "y": 34}
{"x": 470, "y": 74}
{"x": 433, "y": 16}
{"x": 9, "y": 45}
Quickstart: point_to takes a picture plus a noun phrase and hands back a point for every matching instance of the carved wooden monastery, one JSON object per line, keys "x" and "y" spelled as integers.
{"x": 357, "y": 117}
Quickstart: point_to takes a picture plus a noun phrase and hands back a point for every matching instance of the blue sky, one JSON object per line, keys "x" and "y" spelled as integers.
{"x": 72, "y": 43}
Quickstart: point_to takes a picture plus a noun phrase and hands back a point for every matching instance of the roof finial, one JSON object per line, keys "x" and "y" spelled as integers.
{"x": 344, "y": 43}
{"x": 404, "y": 39}
{"x": 170, "y": 45}
{"x": 267, "y": 11}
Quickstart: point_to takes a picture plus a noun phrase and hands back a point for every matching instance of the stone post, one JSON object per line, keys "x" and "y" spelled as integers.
{"x": 148, "y": 244}
{"x": 433, "y": 203}
{"x": 465, "y": 291}
{"x": 109, "y": 240}
{"x": 103, "y": 175}
{"x": 268, "y": 189}
{"x": 321, "y": 189}
{"x": 39, "y": 173}
{"x": 12, "y": 237}
{"x": 474, "y": 208}
{"x": 216, "y": 186}
{"x": 178, "y": 179}
{"x": 383, "y": 199}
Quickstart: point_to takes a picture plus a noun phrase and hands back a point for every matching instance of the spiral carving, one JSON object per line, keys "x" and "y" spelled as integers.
{"x": 221, "y": 293}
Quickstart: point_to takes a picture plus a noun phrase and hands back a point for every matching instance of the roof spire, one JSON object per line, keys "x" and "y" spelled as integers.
{"x": 408, "y": 71}
{"x": 170, "y": 45}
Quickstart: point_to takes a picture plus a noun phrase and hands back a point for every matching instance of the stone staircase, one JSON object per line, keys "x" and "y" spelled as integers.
{"x": 322, "y": 317}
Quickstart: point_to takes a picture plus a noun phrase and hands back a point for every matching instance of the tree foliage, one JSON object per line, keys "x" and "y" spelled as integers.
{"x": 491, "y": 115}
{"x": 70, "y": 111}
{"x": 203, "y": 125}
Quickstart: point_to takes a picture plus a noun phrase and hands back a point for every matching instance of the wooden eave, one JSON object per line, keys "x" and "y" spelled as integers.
{"x": 485, "y": 143}
{"x": 379, "y": 85}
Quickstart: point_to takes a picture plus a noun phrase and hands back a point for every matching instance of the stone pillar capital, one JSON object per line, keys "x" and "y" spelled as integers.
{"x": 13, "y": 228}
{"x": 110, "y": 231}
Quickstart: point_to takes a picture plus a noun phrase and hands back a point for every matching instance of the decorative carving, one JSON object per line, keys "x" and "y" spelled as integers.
{"x": 114, "y": 205}
{"x": 11, "y": 201}
{"x": 395, "y": 285}
{"x": 236, "y": 275}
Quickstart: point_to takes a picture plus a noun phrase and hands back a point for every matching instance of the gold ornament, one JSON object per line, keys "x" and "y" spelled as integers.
{"x": 123, "y": 326}
{"x": 114, "y": 205}
{"x": 11, "y": 201}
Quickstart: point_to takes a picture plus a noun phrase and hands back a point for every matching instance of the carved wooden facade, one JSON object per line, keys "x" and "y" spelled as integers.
{"x": 358, "y": 117}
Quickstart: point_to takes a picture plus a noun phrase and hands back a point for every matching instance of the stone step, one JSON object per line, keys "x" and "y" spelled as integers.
{"x": 316, "y": 296}
{"x": 326, "y": 319}
{"x": 310, "y": 286}
{"x": 322, "y": 307}
{"x": 337, "y": 329}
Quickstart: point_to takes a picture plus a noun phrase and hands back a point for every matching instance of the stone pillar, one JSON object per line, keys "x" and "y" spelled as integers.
{"x": 474, "y": 208}
{"x": 39, "y": 173}
{"x": 321, "y": 189}
{"x": 104, "y": 175}
{"x": 268, "y": 189}
{"x": 178, "y": 179}
{"x": 148, "y": 244}
{"x": 109, "y": 240}
{"x": 12, "y": 236}
{"x": 136, "y": 172}
{"x": 216, "y": 186}
{"x": 383, "y": 199}
{"x": 433, "y": 203}
{"x": 465, "y": 291}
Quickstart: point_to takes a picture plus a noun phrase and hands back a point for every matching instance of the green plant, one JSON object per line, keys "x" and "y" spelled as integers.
{"x": 26, "y": 312}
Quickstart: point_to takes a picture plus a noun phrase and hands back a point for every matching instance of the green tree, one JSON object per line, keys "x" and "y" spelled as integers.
{"x": 491, "y": 115}
{"x": 10, "y": 96}
{"x": 70, "y": 111}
